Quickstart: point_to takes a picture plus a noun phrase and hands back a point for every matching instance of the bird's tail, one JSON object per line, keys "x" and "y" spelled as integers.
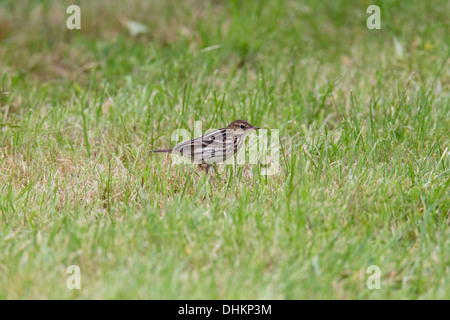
{"x": 162, "y": 150}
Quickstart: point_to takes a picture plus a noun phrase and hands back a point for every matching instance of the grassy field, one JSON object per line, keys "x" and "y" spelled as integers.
{"x": 364, "y": 132}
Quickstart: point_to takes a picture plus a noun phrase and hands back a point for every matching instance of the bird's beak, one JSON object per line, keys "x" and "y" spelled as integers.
{"x": 255, "y": 128}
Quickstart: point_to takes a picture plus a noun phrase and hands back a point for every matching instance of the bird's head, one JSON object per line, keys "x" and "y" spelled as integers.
{"x": 241, "y": 127}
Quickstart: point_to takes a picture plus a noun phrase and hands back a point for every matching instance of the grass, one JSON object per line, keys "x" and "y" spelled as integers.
{"x": 363, "y": 118}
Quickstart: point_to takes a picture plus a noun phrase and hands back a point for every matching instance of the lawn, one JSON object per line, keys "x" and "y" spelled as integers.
{"x": 363, "y": 118}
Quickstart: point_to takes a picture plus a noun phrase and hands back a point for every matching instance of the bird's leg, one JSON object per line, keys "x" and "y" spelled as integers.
{"x": 207, "y": 168}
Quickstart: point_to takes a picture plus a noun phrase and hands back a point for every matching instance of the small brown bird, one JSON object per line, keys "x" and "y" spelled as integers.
{"x": 215, "y": 146}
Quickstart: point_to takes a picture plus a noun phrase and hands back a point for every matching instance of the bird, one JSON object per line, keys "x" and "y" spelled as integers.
{"x": 215, "y": 146}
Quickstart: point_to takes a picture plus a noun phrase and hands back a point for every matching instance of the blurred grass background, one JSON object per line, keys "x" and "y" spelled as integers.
{"x": 363, "y": 114}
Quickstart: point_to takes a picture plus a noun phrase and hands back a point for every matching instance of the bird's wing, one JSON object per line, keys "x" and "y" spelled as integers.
{"x": 213, "y": 146}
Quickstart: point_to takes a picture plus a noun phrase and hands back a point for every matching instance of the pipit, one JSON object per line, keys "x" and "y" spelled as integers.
{"x": 214, "y": 147}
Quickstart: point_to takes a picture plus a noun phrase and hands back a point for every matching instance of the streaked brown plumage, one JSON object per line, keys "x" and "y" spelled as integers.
{"x": 215, "y": 146}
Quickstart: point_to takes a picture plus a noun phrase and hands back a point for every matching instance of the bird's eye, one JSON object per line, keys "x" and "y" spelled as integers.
{"x": 242, "y": 126}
